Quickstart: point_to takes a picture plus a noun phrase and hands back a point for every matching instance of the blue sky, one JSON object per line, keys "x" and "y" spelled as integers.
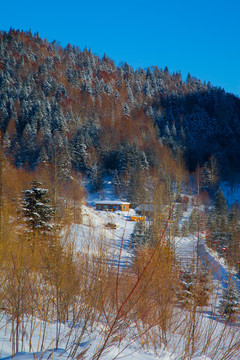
{"x": 200, "y": 37}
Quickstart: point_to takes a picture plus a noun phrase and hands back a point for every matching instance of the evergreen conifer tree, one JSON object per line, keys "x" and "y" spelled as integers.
{"x": 36, "y": 208}
{"x": 193, "y": 221}
{"x": 229, "y": 304}
{"x": 220, "y": 203}
{"x": 138, "y": 235}
{"x": 143, "y": 234}
{"x": 194, "y": 286}
{"x": 221, "y": 211}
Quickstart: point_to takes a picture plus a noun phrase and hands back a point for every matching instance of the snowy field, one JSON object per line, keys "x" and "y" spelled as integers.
{"x": 126, "y": 350}
{"x": 96, "y": 229}
{"x": 115, "y": 240}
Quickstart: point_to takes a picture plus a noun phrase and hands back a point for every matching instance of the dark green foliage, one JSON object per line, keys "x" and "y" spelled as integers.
{"x": 195, "y": 286}
{"x": 117, "y": 184}
{"x": 117, "y": 112}
{"x": 224, "y": 228}
{"x": 95, "y": 176}
{"x": 178, "y": 212}
{"x": 220, "y": 242}
{"x": 229, "y": 304}
{"x": 221, "y": 208}
{"x": 233, "y": 217}
{"x": 143, "y": 234}
{"x": 138, "y": 236}
{"x": 204, "y": 285}
{"x": 220, "y": 214}
{"x": 37, "y": 211}
{"x": 193, "y": 223}
{"x": 186, "y": 283}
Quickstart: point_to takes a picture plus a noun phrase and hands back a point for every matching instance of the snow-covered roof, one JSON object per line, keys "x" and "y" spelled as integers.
{"x": 112, "y": 202}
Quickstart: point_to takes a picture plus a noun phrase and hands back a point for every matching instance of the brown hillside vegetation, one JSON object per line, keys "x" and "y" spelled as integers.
{"x": 72, "y": 103}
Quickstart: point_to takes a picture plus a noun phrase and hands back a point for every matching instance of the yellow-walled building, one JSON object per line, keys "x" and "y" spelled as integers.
{"x": 112, "y": 205}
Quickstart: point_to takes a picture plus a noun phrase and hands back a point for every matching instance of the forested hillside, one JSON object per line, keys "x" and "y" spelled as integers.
{"x": 71, "y": 106}
{"x": 90, "y": 282}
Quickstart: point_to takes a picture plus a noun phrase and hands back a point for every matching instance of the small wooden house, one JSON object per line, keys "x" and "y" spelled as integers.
{"x": 108, "y": 205}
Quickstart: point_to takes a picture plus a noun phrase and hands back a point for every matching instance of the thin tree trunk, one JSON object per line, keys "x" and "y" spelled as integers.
{"x": 13, "y": 335}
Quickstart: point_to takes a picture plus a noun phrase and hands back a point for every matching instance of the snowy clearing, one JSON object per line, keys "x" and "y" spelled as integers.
{"x": 112, "y": 230}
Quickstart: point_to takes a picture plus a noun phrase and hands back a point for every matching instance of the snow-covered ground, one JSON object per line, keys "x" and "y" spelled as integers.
{"x": 185, "y": 247}
{"x": 113, "y": 229}
{"x": 87, "y": 236}
{"x": 123, "y": 351}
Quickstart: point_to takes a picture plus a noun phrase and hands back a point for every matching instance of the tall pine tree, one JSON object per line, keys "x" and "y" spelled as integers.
{"x": 229, "y": 304}
{"x": 37, "y": 211}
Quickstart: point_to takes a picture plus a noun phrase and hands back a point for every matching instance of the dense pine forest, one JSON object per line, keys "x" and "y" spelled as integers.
{"x": 72, "y": 107}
